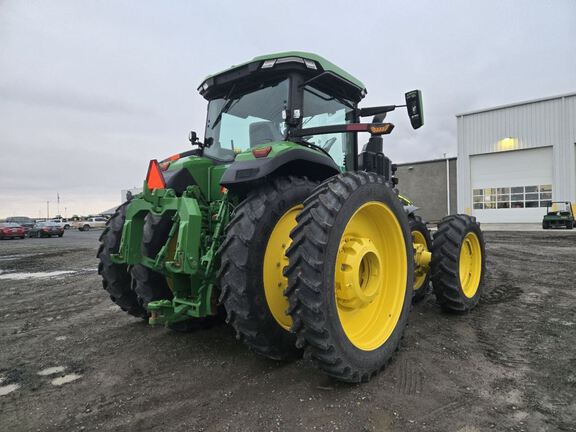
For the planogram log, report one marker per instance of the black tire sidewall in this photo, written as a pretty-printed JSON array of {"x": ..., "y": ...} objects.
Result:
[
  {"x": 473, "y": 301},
  {"x": 368, "y": 360},
  {"x": 293, "y": 197}
]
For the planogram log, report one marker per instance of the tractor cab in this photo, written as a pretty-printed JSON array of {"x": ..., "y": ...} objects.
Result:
[{"x": 293, "y": 101}]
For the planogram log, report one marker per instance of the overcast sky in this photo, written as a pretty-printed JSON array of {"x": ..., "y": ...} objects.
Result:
[{"x": 90, "y": 91}]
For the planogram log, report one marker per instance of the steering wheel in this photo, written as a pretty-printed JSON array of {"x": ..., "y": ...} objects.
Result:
[{"x": 328, "y": 144}]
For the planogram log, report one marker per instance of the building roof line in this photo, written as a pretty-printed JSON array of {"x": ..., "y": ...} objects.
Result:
[
  {"x": 527, "y": 102},
  {"x": 426, "y": 161}
]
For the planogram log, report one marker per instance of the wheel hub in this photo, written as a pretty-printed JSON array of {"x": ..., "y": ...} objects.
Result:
[{"x": 361, "y": 277}]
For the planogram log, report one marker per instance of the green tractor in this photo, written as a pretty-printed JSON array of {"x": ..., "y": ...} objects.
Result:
[
  {"x": 278, "y": 222},
  {"x": 559, "y": 214}
]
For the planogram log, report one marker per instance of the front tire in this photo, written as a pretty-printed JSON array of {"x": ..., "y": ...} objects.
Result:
[
  {"x": 351, "y": 275},
  {"x": 253, "y": 258},
  {"x": 458, "y": 263}
]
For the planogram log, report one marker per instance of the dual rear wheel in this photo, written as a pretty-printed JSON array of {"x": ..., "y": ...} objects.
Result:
[{"x": 328, "y": 271}]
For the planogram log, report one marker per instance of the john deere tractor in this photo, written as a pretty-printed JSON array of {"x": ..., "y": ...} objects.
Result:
[{"x": 277, "y": 221}]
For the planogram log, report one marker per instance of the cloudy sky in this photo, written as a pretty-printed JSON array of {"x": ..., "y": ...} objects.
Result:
[{"x": 92, "y": 90}]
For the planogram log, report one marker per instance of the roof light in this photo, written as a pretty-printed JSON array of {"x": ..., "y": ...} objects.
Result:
[
  {"x": 384, "y": 128},
  {"x": 290, "y": 60},
  {"x": 205, "y": 86},
  {"x": 310, "y": 64},
  {"x": 154, "y": 178},
  {"x": 268, "y": 64},
  {"x": 261, "y": 151}
]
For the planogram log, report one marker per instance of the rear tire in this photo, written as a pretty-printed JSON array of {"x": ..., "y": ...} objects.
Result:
[
  {"x": 420, "y": 234},
  {"x": 351, "y": 275},
  {"x": 116, "y": 278},
  {"x": 458, "y": 263},
  {"x": 255, "y": 308}
]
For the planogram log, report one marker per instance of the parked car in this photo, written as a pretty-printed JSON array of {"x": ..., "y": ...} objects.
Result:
[
  {"x": 23, "y": 221},
  {"x": 46, "y": 229},
  {"x": 91, "y": 223},
  {"x": 11, "y": 230}
]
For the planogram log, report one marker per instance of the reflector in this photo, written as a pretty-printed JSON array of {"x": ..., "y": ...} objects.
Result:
[
  {"x": 261, "y": 151},
  {"x": 154, "y": 178}
]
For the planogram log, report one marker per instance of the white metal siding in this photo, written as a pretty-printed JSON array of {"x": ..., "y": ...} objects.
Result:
[{"x": 549, "y": 122}]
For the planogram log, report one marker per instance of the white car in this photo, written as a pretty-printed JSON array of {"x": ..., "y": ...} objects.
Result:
[{"x": 91, "y": 223}]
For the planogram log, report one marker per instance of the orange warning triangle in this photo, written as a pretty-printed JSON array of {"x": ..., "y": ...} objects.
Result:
[{"x": 154, "y": 178}]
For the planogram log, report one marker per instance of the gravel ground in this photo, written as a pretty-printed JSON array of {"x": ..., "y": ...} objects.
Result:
[{"x": 71, "y": 360}]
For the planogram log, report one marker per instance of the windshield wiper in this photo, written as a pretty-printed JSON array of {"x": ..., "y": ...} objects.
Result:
[
  {"x": 330, "y": 98},
  {"x": 226, "y": 106}
]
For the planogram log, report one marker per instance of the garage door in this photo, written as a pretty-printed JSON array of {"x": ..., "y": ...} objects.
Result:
[{"x": 511, "y": 186}]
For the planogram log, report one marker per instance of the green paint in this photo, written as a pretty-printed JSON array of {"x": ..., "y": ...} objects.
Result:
[
  {"x": 325, "y": 64},
  {"x": 278, "y": 147}
]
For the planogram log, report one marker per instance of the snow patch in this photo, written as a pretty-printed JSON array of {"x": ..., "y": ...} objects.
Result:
[
  {"x": 36, "y": 275},
  {"x": 52, "y": 370},
  {"x": 65, "y": 379},
  {"x": 4, "y": 390}
]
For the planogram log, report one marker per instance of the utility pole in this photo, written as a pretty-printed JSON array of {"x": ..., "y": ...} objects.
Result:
[
  {"x": 447, "y": 184},
  {"x": 58, "y": 203}
]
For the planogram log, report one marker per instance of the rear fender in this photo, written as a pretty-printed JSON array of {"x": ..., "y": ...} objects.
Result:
[{"x": 297, "y": 161}]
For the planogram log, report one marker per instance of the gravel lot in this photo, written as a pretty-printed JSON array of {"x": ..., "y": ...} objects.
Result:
[{"x": 71, "y": 360}]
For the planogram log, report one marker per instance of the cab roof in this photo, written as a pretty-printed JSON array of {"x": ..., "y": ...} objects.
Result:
[{"x": 313, "y": 64}]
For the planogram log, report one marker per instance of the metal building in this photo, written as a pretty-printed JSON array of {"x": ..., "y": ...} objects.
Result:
[
  {"x": 513, "y": 159},
  {"x": 430, "y": 185}
]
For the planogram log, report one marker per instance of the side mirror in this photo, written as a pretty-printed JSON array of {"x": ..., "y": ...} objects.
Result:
[
  {"x": 192, "y": 137},
  {"x": 414, "y": 108}
]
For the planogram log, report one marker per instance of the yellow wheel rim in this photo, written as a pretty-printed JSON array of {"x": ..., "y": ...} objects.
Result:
[
  {"x": 170, "y": 256},
  {"x": 274, "y": 262},
  {"x": 420, "y": 273},
  {"x": 470, "y": 264},
  {"x": 370, "y": 276}
]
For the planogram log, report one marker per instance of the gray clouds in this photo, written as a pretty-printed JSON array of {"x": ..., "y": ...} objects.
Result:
[{"x": 97, "y": 89}]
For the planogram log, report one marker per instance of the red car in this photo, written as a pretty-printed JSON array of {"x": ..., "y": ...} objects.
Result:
[
  {"x": 46, "y": 229},
  {"x": 11, "y": 230}
]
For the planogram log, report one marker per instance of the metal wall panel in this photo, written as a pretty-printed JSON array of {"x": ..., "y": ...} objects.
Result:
[{"x": 541, "y": 123}]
